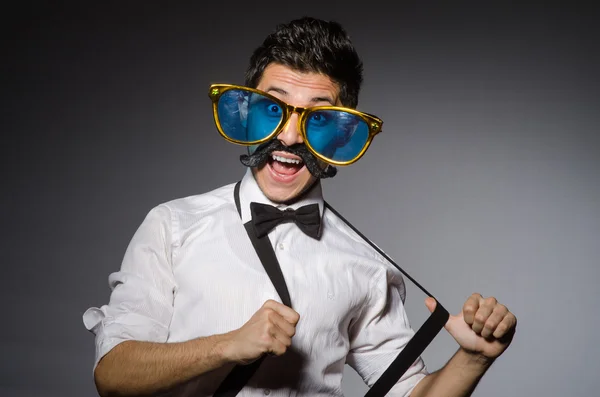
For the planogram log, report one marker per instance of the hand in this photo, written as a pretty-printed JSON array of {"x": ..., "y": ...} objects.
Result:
[
  {"x": 484, "y": 326},
  {"x": 269, "y": 330}
]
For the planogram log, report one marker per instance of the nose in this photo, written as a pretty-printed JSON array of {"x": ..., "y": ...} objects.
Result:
[{"x": 290, "y": 134}]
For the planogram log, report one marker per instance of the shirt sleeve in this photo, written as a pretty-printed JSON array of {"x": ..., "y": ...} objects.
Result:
[
  {"x": 380, "y": 332},
  {"x": 142, "y": 292}
]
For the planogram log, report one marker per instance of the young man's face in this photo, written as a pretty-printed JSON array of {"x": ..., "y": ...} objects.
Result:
[{"x": 279, "y": 180}]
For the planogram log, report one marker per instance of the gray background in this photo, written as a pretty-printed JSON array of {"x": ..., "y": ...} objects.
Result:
[{"x": 484, "y": 179}]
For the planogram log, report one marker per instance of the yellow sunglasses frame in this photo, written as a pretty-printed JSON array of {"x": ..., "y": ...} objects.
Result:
[{"x": 375, "y": 124}]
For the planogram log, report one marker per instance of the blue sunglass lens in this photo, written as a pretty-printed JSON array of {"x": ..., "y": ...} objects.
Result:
[
  {"x": 336, "y": 134},
  {"x": 246, "y": 116}
]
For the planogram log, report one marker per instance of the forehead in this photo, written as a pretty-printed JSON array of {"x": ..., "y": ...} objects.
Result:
[{"x": 299, "y": 86}]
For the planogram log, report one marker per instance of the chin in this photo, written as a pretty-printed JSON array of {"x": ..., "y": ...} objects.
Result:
[{"x": 282, "y": 193}]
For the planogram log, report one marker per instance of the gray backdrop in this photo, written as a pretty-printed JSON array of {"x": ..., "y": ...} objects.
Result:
[{"x": 484, "y": 179}]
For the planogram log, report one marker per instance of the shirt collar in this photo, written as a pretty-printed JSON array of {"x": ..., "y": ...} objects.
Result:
[{"x": 250, "y": 192}]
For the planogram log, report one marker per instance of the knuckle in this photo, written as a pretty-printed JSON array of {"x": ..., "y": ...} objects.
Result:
[
  {"x": 488, "y": 326},
  {"x": 268, "y": 329},
  {"x": 295, "y": 317},
  {"x": 491, "y": 301},
  {"x": 268, "y": 314},
  {"x": 469, "y": 308},
  {"x": 480, "y": 318},
  {"x": 268, "y": 303},
  {"x": 501, "y": 329}
]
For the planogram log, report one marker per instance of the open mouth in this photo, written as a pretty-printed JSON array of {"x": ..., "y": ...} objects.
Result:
[{"x": 285, "y": 167}]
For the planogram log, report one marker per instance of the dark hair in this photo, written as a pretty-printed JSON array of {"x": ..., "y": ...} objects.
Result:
[{"x": 311, "y": 45}]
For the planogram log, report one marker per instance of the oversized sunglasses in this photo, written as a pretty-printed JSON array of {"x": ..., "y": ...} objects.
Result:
[{"x": 334, "y": 134}]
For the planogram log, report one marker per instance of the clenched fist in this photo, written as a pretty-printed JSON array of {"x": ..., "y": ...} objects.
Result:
[
  {"x": 268, "y": 331},
  {"x": 484, "y": 326}
]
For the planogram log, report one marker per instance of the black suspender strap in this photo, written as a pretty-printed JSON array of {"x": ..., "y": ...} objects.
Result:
[
  {"x": 236, "y": 379},
  {"x": 239, "y": 376},
  {"x": 420, "y": 340},
  {"x": 265, "y": 252}
]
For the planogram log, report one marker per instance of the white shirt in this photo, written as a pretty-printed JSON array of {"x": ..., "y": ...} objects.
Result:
[{"x": 190, "y": 271}]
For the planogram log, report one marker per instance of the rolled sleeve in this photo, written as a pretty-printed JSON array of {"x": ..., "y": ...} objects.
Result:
[
  {"x": 379, "y": 334},
  {"x": 142, "y": 292}
]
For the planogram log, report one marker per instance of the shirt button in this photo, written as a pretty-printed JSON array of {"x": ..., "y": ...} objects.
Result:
[
  {"x": 280, "y": 246},
  {"x": 267, "y": 392}
]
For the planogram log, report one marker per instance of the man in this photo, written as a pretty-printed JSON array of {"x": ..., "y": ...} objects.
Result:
[{"x": 192, "y": 300}]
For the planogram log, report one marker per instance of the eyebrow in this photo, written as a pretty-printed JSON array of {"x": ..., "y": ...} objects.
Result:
[{"x": 316, "y": 99}]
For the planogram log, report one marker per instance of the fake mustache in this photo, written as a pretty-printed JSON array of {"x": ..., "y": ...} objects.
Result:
[{"x": 263, "y": 152}]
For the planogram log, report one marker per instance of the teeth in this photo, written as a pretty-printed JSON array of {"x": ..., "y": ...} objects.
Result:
[{"x": 285, "y": 160}]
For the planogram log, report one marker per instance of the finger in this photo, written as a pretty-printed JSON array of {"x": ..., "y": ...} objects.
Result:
[
  {"x": 277, "y": 348},
  {"x": 279, "y": 340},
  {"x": 494, "y": 320},
  {"x": 431, "y": 304},
  {"x": 282, "y": 339},
  {"x": 284, "y": 311},
  {"x": 281, "y": 323},
  {"x": 506, "y": 327},
  {"x": 271, "y": 335},
  {"x": 470, "y": 308},
  {"x": 486, "y": 307}
]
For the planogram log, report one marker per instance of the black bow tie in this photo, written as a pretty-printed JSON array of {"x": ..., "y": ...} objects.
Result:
[{"x": 265, "y": 217}]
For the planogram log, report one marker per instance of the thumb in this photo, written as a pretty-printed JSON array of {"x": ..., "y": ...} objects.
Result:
[
  {"x": 430, "y": 303},
  {"x": 454, "y": 323}
]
